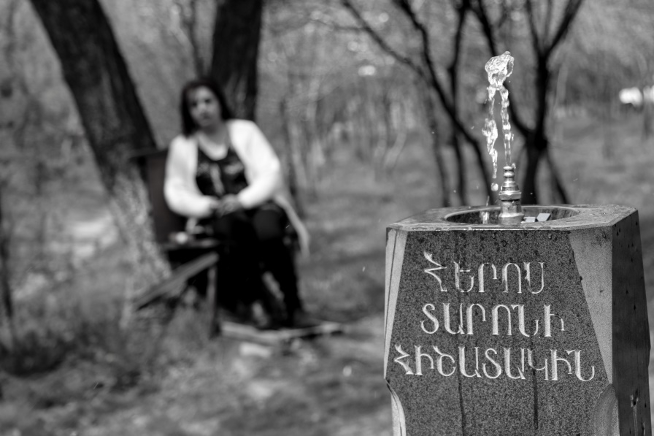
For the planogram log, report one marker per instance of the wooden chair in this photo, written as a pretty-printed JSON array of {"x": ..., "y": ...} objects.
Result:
[{"x": 189, "y": 257}]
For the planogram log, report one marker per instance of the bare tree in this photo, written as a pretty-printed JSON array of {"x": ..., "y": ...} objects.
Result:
[
  {"x": 431, "y": 74},
  {"x": 290, "y": 156},
  {"x": 237, "y": 32},
  {"x": 303, "y": 84},
  {"x": 6, "y": 297},
  {"x": 545, "y": 37},
  {"x": 114, "y": 121},
  {"x": 437, "y": 146},
  {"x": 462, "y": 8},
  {"x": 391, "y": 122},
  {"x": 6, "y": 227}
]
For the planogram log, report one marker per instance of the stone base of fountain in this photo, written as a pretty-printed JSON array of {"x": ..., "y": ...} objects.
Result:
[{"x": 535, "y": 328}]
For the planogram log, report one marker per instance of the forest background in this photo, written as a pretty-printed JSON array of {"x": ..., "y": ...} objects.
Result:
[{"x": 376, "y": 109}]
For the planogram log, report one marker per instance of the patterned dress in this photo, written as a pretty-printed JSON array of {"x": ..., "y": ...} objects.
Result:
[{"x": 218, "y": 177}]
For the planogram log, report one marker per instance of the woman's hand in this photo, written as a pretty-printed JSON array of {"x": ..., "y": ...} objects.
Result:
[
  {"x": 229, "y": 204},
  {"x": 303, "y": 238},
  {"x": 214, "y": 206}
]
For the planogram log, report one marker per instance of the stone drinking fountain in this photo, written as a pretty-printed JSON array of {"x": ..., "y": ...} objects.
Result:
[{"x": 517, "y": 320}]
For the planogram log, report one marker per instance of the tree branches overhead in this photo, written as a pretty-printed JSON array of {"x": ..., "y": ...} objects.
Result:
[
  {"x": 571, "y": 10},
  {"x": 546, "y": 24},
  {"x": 376, "y": 36},
  {"x": 544, "y": 41},
  {"x": 427, "y": 70}
]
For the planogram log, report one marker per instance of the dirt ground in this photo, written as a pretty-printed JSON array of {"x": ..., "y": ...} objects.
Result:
[
  {"x": 329, "y": 386},
  {"x": 326, "y": 386}
]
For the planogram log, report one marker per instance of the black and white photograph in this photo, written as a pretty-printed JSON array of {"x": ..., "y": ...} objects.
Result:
[{"x": 326, "y": 217}]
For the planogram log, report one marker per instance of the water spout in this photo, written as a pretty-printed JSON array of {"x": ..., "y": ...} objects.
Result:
[{"x": 511, "y": 209}]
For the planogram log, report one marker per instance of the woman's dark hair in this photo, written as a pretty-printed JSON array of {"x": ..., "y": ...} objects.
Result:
[{"x": 188, "y": 125}]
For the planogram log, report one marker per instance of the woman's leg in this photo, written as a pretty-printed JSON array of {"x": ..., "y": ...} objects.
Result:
[
  {"x": 239, "y": 274},
  {"x": 269, "y": 223}
]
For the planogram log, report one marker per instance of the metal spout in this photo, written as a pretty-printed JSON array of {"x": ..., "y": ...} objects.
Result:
[{"x": 511, "y": 210}]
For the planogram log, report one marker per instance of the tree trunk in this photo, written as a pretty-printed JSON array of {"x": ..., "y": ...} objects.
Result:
[
  {"x": 461, "y": 183},
  {"x": 560, "y": 193},
  {"x": 236, "y": 38},
  {"x": 528, "y": 188},
  {"x": 5, "y": 276},
  {"x": 436, "y": 145},
  {"x": 113, "y": 118},
  {"x": 6, "y": 298},
  {"x": 291, "y": 170},
  {"x": 440, "y": 164}
]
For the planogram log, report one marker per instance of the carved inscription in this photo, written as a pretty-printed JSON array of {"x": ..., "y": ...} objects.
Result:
[{"x": 498, "y": 319}]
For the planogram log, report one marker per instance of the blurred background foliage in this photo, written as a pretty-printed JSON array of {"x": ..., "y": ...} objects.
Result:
[{"x": 347, "y": 98}]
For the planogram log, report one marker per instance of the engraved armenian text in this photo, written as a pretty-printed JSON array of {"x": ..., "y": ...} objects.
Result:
[{"x": 501, "y": 320}]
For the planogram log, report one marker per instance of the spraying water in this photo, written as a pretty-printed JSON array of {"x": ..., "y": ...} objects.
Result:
[{"x": 498, "y": 69}]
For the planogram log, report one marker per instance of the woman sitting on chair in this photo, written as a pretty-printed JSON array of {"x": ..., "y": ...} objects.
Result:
[{"x": 223, "y": 172}]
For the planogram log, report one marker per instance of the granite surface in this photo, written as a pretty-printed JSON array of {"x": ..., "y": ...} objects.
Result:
[{"x": 533, "y": 329}]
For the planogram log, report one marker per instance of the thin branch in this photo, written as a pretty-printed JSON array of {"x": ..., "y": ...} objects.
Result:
[
  {"x": 549, "y": 12},
  {"x": 380, "y": 41},
  {"x": 429, "y": 108},
  {"x": 338, "y": 27},
  {"x": 535, "y": 39},
  {"x": 449, "y": 106},
  {"x": 430, "y": 77},
  {"x": 463, "y": 9},
  {"x": 5, "y": 244},
  {"x": 556, "y": 177},
  {"x": 482, "y": 16},
  {"x": 405, "y": 6},
  {"x": 571, "y": 10}
]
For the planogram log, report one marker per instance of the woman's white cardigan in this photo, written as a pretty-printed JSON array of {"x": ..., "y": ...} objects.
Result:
[{"x": 262, "y": 171}]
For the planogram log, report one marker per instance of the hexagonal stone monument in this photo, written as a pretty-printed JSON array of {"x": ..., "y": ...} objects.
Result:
[{"x": 538, "y": 328}]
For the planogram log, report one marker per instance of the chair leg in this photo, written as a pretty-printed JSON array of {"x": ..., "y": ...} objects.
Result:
[{"x": 215, "y": 328}]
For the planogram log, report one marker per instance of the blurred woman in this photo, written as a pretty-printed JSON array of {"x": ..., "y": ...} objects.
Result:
[{"x": 223, "y": 172}]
